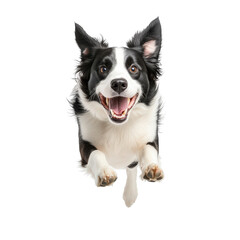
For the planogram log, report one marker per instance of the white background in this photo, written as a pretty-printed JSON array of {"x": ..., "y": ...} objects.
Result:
[{"x": 44, "y": 192}]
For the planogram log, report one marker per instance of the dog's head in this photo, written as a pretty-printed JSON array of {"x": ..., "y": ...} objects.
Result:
[{"x": 115, "y": 80}]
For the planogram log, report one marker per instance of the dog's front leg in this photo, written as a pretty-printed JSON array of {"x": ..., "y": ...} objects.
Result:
[
  {"x": 150, "y": 164},
  {"x": 102, "y": 172}
]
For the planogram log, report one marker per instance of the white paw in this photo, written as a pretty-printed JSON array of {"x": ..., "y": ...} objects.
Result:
[
  {"x": 130, "y": 195},
  {"x": 105, "y": 177}
]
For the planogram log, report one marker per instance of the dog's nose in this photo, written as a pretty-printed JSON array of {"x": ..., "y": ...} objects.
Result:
[{"x": 119, "y": 85}]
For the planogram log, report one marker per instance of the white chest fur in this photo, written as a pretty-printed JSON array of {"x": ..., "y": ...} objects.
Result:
[{"x": 121, "y": 144}]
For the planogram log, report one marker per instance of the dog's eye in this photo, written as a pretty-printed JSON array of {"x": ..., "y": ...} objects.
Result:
[
  {"x": 103, "y": 69},
  {"x": 133, "y": 69}
]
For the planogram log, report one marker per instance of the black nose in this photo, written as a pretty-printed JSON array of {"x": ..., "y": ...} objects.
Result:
[{"x": 119, "y": 85}]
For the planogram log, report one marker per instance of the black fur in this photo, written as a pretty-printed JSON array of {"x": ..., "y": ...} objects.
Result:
[
  {"x": 133, "y": 164},
  {"x": 86, "y": 149},
  {"x": 84, "y": 41},
  {"x": 77, "y": 105},
  {"x": 155, "y": 142},
  {"x": 152, "y": 32}
]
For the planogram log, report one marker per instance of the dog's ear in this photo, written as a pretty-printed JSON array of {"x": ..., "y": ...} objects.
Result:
[
  {"x": 85, "y": 42},
  {"x": 149, "y": 40}
]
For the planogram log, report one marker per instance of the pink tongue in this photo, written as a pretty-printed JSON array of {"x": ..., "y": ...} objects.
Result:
[{"x": 118, "y": 104}]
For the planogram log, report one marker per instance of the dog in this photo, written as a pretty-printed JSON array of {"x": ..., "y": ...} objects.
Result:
[{"x": 117, "y": 105}]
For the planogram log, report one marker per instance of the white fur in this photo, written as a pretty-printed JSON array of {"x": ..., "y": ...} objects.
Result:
[
  {"x": 130, "y": 191},
  {"x": 149, "y": 155},
  {"x": 94, "y": 107},
  {"x": 99, "y": 167},
  {"x": 119, "y": 71},
  {"x": 122, "y": 144}
]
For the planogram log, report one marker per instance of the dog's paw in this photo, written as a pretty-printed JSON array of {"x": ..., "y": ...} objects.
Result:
[
  {"x": 106, "y": 177},
  {"x": 153, "y": 173}
]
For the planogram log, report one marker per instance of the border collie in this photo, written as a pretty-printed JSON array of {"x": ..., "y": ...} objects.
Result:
[{"x": 117, "y": 106}]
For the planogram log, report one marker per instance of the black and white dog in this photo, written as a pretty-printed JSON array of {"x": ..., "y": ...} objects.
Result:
[{"x": 117, "y": 105}]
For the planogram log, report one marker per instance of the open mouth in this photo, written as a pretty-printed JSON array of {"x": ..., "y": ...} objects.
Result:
[{"x": 118, "y": 107}]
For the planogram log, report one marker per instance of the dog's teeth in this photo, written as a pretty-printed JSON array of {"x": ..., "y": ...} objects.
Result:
[
  {"x": 107, "y": 101},
  {"x": 128, "y": 101},
  {"x": 112, "y": 113},
  {"x": 117, "y": 116}
]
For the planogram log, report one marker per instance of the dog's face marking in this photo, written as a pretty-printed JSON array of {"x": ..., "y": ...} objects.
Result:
[
  {"x": 117, "y": 79},
  {"x": 120, "y": 69},
  {"x": 128, "y": 65},
  {"x": 122, "y": 83}
]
